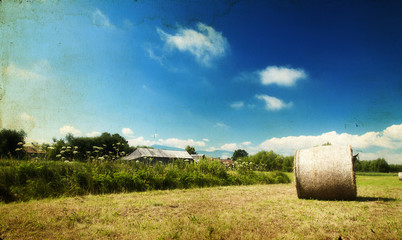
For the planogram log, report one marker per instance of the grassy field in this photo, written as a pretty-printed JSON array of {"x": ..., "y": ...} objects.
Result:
[{"x": 235, "y": 212}]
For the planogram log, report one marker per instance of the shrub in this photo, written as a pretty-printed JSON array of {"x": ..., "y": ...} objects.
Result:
[{"x": 25, "y": 180}]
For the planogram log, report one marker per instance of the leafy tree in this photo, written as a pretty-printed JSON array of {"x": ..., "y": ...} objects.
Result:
[
  {"x": 239, "y": 153},
  {"x": 11, "y": 142},
  {"x": 378, "y": 165},
  {"x": 287, "y": 164},
  {"x": 105, "y": 146},
  {"x": 190, "y": 150}
]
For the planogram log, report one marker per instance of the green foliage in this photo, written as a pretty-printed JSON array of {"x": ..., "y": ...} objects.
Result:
[
  {"x": 104, "y": 147},
  {"x": 25, "y": 180},
  {"x": 11, "y": 143},
  {"x": 395, "y": 168},
  {"x": 378, "y": 165},
  {"x": 266, "y": 161},
  {"x": 190, "y": 150},
  {"x": 239, "y": 153}
]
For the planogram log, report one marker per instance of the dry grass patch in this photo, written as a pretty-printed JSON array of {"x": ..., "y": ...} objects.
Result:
[{"x": 236, "y": 212}]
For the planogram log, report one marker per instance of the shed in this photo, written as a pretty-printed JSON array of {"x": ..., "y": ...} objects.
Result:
[
  {"x": 142, "y": 154},
  {"x": 197, "y": 157},
  {"x": 33, "y": 150}
]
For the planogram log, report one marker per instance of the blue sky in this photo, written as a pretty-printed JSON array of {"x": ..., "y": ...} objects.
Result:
[{"x": 257, "y": 75}]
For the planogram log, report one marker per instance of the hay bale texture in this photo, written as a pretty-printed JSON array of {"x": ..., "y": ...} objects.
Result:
[{"x": 325, "y": 173}]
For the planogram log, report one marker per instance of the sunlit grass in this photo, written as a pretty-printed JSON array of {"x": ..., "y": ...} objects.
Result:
[{"x": 234, "y": 212}]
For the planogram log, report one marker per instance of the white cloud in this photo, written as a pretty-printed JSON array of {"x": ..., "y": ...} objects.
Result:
[
  {"x": 204, "y": 44},
  {"x": 237, "y": 105},
  {"x": 93, "y": 134},
  {"x": 100, "y": 19},
  {"x": 273, "y": 103},
  {"x": 205, "y": 140},
  {"x": 171, "y": 142},
  {"x": 393, "y": 132},
  {"x": 127, "y": 132},
  {"x": 229, "y": 147},
  {"x": 179, "y": 143},
  {"x": 140, "y": 141},
  {"x": 13, "y": 71},
  {"x": 389, "y": 140},
  {"x": 281, "y": 76},
  {"x": 69, "y": 129},
  {"x": 221, "y": 125}
]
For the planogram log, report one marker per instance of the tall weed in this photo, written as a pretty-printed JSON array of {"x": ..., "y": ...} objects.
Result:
[{"x": 26, "y": 180}]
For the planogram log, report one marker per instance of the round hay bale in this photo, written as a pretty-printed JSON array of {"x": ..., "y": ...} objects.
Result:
[
  {"x": 400, "y": 176},
  {"x": 325, "y": 173}
]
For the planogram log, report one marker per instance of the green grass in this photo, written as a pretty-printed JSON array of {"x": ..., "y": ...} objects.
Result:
[
  {"x": 26, "y": 180},
  {"x": 230, "y": 212}
]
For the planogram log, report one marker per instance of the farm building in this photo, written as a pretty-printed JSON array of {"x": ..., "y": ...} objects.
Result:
[
  {"x": 146, "y": 154},
  {"x": 227, "y": 162},
  {"x": 33, "y": 150},
  {"x": 197, "y": 157}
]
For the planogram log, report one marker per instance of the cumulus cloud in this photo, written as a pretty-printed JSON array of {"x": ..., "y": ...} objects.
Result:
[
  {"x": 204, "y": 44},
  {"x": 100, "y": 19},
  {"x": 93, "y": 134},
  {"x": 140, "y": 141},
  {"x": 127, "y": 132},
  {"x": 171, "y": 142},
  {"x": 229, "y": 147},
  {"x": 282, "y": 76},
  {"x": 273, "y": 103},
  {"x": 237, "y": 105},
  {"x": 69, "y": 129},
  {"x": 179, "y": 143},
  {"x": 390, "y": 138},
  {"x": 205, "y": 140}
]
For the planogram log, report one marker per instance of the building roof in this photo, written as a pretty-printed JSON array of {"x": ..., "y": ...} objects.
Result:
[
  {"x": 157, "y": 153},
  {"x": 32, "y": 149}
]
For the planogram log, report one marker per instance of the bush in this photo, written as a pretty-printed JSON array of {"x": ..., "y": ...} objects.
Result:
[{"x": 25, "y": 180}]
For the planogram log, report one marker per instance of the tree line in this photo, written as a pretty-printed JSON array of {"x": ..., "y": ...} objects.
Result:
[{"x": 104, "y": 147}]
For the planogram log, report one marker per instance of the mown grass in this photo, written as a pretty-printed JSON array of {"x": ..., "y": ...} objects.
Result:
[
  {"x": 230, "y": 212},
  {"x": 26, "y": 180}
]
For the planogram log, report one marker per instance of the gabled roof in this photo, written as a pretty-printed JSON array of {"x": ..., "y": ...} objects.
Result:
[{"x": 157, "y": 153}]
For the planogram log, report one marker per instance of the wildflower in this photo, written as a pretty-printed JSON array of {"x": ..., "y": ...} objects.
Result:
[
  {"x": 20, "y": 143},
  {"x": 58, "y": 155},
  {"x": 101, "y": 158},
  {"x": 75, "y": 152}
]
